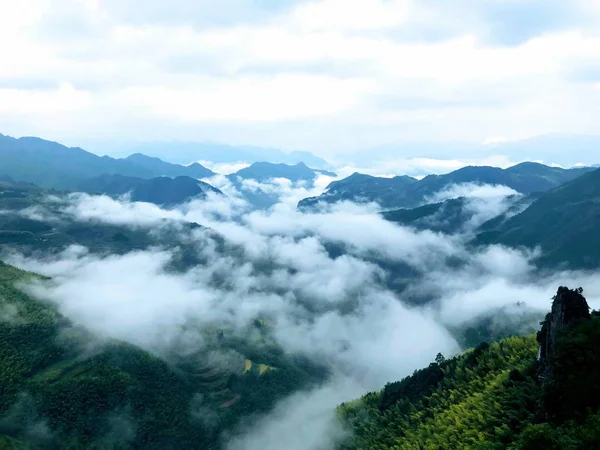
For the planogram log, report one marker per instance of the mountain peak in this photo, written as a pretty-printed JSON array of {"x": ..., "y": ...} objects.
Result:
[{"x": 568, "y": 307}]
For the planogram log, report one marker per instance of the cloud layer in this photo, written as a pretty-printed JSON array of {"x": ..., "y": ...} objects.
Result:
[
  {"x": 370, "y": 300},
  {"x": 323, "y": 75}
]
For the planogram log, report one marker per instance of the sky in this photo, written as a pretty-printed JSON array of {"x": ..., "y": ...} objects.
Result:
[{"x": 327, "y": 76}]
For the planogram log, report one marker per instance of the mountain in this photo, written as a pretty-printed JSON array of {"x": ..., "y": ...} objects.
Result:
[
  {"x": 497, "y": 396},
  {"x": 406, "y": 192},
  {"x": 461, "y": 214},
  {"x": 52, "y": 165},
  {"x": 166, "y": 169},
  {"x": 361, "y": 188},
  {"x": 185, "y": 152},
  {"x": 160, "y": 191},
  {"x": 34, "y": 221},
  {"x": 62, "y": 387},
  {"x": 263, "y": 195},
  {"x": 265, "y": 171},
  {"x": 563, "y": 222}
]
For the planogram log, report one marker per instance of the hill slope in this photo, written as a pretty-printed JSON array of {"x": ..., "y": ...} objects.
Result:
[
  {"x": 563, "y": 222},
  {"x": 406, "y": 192},
  {"x": 493, "y": 397},
  {"x": 63, "y": 388}
]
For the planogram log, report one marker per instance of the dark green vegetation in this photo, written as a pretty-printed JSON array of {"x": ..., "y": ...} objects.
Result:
[
  {"x": 61, "y": 388},
  {"x": 407, "y": 192},
  {"x": 496, "y": 396},
  {"x": 563, "y": 222},
  {"x": 52, "y": 165},
  {"x": 160, "y": 191}
]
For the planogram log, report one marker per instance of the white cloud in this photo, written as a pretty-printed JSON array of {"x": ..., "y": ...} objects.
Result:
[
  {"x": 349, "y": 15},
  {"x": 326, "y": 75},
  {"x": 309, "y": 415},
  {"x": 340, "y": 311}
]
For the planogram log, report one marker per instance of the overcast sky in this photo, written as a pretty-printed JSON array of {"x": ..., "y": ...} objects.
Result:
[{"x": 325, "y": 76}]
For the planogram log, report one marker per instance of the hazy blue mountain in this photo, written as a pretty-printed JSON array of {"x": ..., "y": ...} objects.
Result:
[
  {"x": 162, "y": 168},
  {"x": 52, "y": 165},
  {"x": 406, "y": 192},
  {"x": 563, "y": 222},
  {"x": 186, "y": 152},
  {"x": 160, "y": 191},
  {"x": 564, "y": 149},
  {"x": 264, "y": 171}
]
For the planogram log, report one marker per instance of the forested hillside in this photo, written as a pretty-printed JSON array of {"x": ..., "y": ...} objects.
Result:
[
  {"x": 563, "y": 222},
  {"x": 496, "y": 396},
  {"x": 63, "y": 388}
]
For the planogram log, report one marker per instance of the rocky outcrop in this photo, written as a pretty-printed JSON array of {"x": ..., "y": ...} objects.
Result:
[{"x": 569, "y": 306}]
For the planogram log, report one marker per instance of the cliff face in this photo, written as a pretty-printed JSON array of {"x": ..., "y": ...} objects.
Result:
[{"x": 568, "y": 307}]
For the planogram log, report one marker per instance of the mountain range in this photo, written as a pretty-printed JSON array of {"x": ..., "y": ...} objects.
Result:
[
  {"x": 52, "y": 165},
  {"x": 408, "y": 192},
  {"x": 186, "y": 152},
  {"x": 55, "y": 166},
  {"x": 558, "y": 148},
  {"x": 62, "y": 386}
]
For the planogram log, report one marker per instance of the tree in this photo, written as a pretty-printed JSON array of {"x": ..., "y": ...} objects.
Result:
[{"x": 439, "y": 359}]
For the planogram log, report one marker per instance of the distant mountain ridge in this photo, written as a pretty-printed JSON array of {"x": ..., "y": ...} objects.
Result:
[
  {"x": 407, "y": 192},
  {"x": 265, "y": 171},
  {"x": 185, "y": 152},
  {"x": 52, "y": 165},
  {"x": 166, "y": 169}
]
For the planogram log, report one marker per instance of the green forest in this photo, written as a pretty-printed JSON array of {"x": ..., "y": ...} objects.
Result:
[
  {"x": 496, "y": 396},
  {"x": 60, "y": 388}
]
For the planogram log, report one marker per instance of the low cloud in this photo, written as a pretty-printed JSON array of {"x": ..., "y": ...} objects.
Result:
[
  {"x": 368, "y": 299},
  {"x": 304, "y": 421},
  {"x": 482, "y": 202}
]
